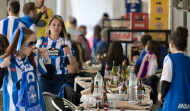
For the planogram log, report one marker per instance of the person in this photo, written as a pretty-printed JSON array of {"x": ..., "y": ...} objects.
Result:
[
  {"x": 11, "y": 23},
  {"x": 105, "y": 16},
  {"x": 102, "y": 46},
  {"x": 144, "y": 39},
  {"x": 53, "y": 40},
  {"x": 115, "y": 52},
  {"x": 175, "y": 74},
  {"x": 73, "y": 26},
  {"x": 30, "y": 14},
  {"x": 21, "y": 90},
  {"x": 150, "y": 63},
  {"x": 85, "y": 43},
  {"x": 95, "y": 38},
  {"x": 4, "y": 43},
  {"x": 77, "y": 47},
  {"x": 44, "y": 15}
]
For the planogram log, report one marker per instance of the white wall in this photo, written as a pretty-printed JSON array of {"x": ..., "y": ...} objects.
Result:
[{"x": 89, "y": 12}]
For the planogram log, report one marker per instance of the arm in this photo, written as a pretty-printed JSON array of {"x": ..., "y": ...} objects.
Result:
[
  {"x": 38, "y": 17},
  {"x": 166, "y": 78}
]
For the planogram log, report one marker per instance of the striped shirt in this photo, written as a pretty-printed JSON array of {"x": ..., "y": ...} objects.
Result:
[
  {"x": 56, "y": 53},
  {"x": 11, "y": 93},
  {"x": 9, "y": 25}
]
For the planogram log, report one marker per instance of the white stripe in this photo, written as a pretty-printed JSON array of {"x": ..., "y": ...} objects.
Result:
[
  {"x": 1, "y": 27},
  {"x": 58, "y": 60},
  {"x": 10, "y": 90},
  {"x": 10, "y": 28}
]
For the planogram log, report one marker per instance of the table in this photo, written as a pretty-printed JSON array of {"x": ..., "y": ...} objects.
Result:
[{"x": 82, "y": 82}]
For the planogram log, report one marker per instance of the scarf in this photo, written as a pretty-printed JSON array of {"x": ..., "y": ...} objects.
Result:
[
  {"x": 28, "y": 97},
  {"x": 145, "y": 65}
]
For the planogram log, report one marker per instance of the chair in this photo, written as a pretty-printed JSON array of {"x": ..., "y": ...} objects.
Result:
[
  {"x": 62, "y": 104},
  {"x": 48, "y": 101}
]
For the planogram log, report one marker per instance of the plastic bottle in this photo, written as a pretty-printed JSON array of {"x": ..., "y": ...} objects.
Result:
[
  {"x": 93, "y": 57},
  {"x": 132, "y": 85},
  {"x": 98, "y": 78}
]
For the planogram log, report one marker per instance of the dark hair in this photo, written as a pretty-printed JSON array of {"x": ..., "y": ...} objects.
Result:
[
  {"x": 14, "y": 6},
  {"x": 105, "y": 15},
  {"x": 27, "y": 7},
  {"x": 179, "y": 38},
  {"x": 4, "y": 44},
  {"x": 63, "y": 32},
  {"x": 154, "y": 47},
  {"x": 97, "y": 31},
  {"x": 11, "y": 50},
  {"x": 73, "y": 21},
  {"x": 145, "y": 38},
  {"x": 115, "y": 52}
]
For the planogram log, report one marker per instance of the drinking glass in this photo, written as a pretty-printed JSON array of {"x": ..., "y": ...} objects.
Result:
[
  {"x": 98, "y": 94},
  {"x": 65, "y": 43}
]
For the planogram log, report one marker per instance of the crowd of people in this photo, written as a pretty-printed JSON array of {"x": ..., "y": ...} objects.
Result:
[{"x": 39, "y": 49}]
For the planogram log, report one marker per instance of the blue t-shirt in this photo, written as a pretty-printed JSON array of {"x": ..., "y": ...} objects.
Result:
[{"x": 102, "y": 45}]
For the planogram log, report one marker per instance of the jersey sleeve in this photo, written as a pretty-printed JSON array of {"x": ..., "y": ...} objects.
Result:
[
  {"x": 39, "y": 42},
  {"x": 167, "y": 70},
  {"x": 41, "y": 69}
]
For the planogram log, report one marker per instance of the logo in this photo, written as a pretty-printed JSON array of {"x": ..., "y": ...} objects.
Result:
[
  {"x": 159, "y": 10},
  {"x": 159, "y": 25},
  {"x": 45, "y": 43},
  {"x": 54, "y": 53},
  {"x": 32, "y": 94},
  {"x": 41, "y": 23},
  {"x": 183, "y": 106},
  {"x": 139, "y": 25},
  {"x": 13, "y": 69}
]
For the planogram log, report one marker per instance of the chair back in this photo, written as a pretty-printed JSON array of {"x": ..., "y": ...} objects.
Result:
[{"x": 48, "y": 101}]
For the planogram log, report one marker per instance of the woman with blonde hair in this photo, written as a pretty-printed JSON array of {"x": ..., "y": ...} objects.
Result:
[{"x": 60, "y": 53}]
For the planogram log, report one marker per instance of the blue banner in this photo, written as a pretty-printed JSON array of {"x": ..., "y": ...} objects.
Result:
[{"x": 133, "y": 6}]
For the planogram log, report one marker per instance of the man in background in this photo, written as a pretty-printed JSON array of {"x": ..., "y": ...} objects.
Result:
[
  {"x": 11, "y": 23},
  {"x": 44, "y": 14},
  {"x": 30, "y": 13}
]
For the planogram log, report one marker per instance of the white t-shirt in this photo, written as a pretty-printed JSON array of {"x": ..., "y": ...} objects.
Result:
[
  {"x": 153, "y": 67},
  {"x": 167, "y": 69}
]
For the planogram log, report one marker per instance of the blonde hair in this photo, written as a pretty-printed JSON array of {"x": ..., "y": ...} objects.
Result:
[{"x": 63, "y": 32}]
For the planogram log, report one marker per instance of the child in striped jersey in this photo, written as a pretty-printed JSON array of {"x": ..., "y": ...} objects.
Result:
[{"x": 21, "y": 90}]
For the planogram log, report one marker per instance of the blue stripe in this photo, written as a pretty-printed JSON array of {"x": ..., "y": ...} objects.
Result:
[
  {"x": 15, "y": 90},
  {"x": 5, "y": 26},
  {"x": 6, "y": 97},
  {"x": 53, "y": 59},
  {"x": 15, "y": 25}
]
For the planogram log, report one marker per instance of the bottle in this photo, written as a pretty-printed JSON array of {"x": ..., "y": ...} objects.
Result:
[
  {"x": 126, "y": 70},
  {"x": 123, "y": 73},
  {"x": 99, "y": 78},
  {"x": 124, "y": 88},
  {"x": 92, "y": 86},
  {"x": 140, "y": 87},
  {"x": 114, "y": 72},
  {"x": 132, "y": 85},
  {"x": 93, "y": 57},
  {"x": 104, "y": 93}
]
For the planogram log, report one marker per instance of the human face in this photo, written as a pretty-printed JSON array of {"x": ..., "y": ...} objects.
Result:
[
  {"x": 55, "y": 27},
  {"x": 28, "y": 46},
  {"x": 171, "y": 47},
  {"x": 39, "y": 3}
]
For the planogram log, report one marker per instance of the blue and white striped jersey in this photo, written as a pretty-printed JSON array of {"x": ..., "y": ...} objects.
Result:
[
  {"x": 10, "y": 91},
  {"x": 9, "y": 25},
  {"x": 56, "y": 53}
]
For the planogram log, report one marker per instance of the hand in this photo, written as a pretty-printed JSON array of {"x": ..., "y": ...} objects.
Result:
[
  {"x": 159, "y": 98},
  {"x": 43, "y": 9},
  {"x": 44, "y": 52},
  {"x": 67, "y": 50},
  {"x": 6, "y": 62}
]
